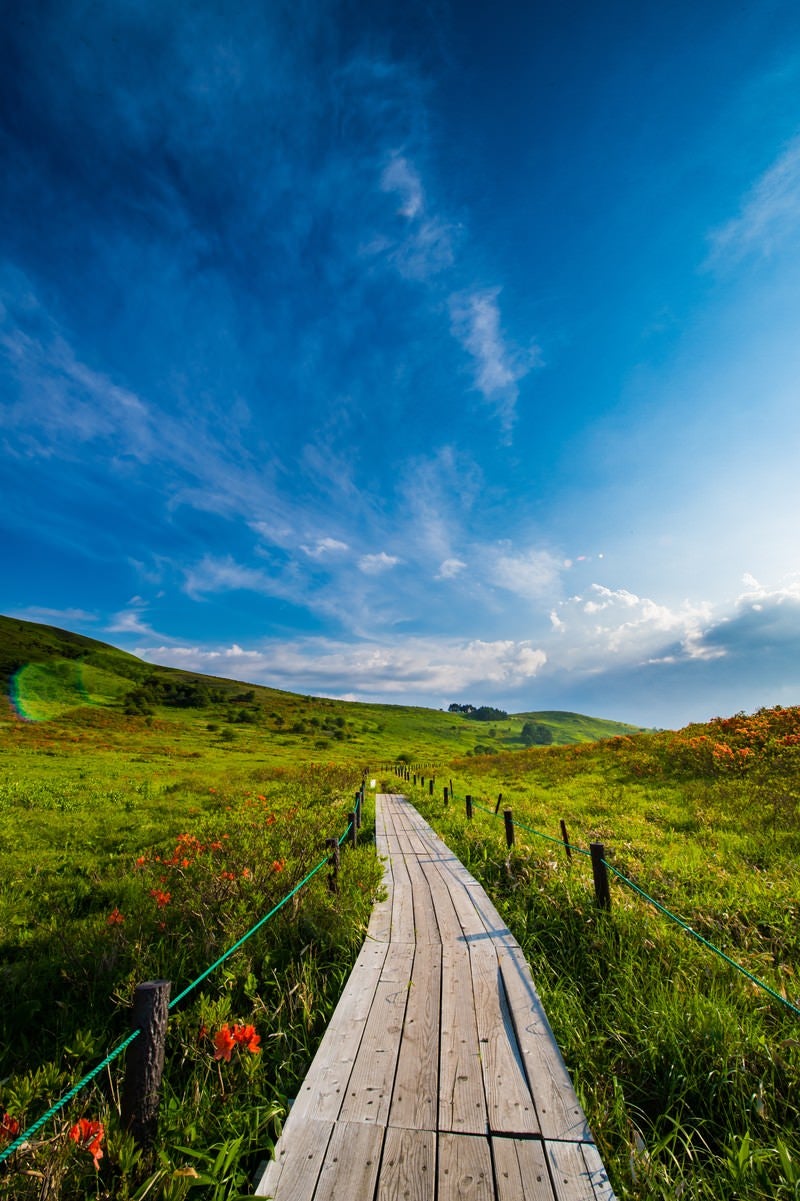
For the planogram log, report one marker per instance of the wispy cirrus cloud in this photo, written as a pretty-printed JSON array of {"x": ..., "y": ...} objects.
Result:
[
  {"x": 498, "y": 364},
  {"x": 770, "y": 212}
]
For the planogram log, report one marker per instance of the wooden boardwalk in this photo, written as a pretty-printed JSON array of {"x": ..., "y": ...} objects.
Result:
[{"x": 438, "y": 1077}]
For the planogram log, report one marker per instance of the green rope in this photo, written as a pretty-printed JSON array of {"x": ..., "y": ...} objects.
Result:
[
  {"x": 347, "y": 831},
  {"x": 87, "y": 1079},
  {"x": 73, "y": 1092},
  {"x": 530, "y": 830},
  {"x": 189, "y": 987},
  {"x": 662, "y": 909},
  {"x": 717, "y": 951}
]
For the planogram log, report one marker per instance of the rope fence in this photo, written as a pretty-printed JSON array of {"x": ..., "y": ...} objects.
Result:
[
  {"x": 26, "y": 1135},
  {"x": 599, "y": 860}
]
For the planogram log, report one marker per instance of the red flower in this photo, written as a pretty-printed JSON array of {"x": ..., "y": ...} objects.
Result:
[
  {"x": 115, "y": 918},
  {"x": 162, "y": 898},
  {"x": 224, "y": 1042},
  {"x": 9, "y": 1127},
  {"x": 89, "y": 1134},
  {"x": 277, "y": 865},
  {"x": 246, "y": 1036}
]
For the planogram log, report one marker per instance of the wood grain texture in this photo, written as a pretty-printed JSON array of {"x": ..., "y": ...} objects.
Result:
[
  {"x": 439, "y": 1078},
  {"x": 462, "y": 1104},
  {"x": 509, "y": 1104},
  {"x": 415, "y": 1099},
  {"x": 465, "y": 1169},
  {"x": 408, "y": 1170},
  {"x": 351, "y": 1164},
  {"x": 520, "y": 1170},
  {"x": 558, "y": 1110}
]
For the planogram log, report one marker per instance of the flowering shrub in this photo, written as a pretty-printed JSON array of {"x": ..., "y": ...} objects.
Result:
[{"x": 89, "y": 1135}]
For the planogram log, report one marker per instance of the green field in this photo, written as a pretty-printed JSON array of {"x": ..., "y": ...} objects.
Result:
[{"x": 148, "y": 817}]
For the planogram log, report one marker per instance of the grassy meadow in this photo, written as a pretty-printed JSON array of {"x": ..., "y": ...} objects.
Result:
[
  {"x": 148, "y": 817},
  {"x": 689, "y": 1072}
]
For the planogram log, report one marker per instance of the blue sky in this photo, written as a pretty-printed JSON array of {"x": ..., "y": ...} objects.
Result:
[{"x": 418, "y": 353}]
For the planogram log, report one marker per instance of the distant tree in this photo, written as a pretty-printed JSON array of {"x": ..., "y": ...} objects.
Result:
[{"x": 535, "y": 733}]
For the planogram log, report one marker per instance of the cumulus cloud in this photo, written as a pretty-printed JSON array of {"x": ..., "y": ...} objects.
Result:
[
  {"x": 419, "y": 667},
  {"x": 619, "y": 625}
]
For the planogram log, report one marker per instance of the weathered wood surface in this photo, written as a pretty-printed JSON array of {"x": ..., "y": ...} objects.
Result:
[{"x": 438, "y": 1077}]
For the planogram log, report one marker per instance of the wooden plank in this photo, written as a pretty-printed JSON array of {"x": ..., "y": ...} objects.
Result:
[
  {"x": 577, "y": 1173},
  {"x": 350, "y": 1167},
  {"x": 465, "y": 1169},
  {"x": 369, "y": 1090},
  {"x": 469, "y": 919},
  {"x": 462, "y": 1105},
  {"x": 509, "y": 1103},
  {"x": 520, "y": 1170},
  {"x": 558, "y": 1109},
  {"x": 492, "y": 921},
  {"x": 408, "y": 1170},
  {"x": 415, "y": 1099},
  {"x": 449, "y": 927},
  {"x": 299, "y": 1155},
  {"x": 426, "y": 929},
  {"x": 597, "y": 1173},
  {"x": 402, "y": 902},
  {"x": 325, "y": 1084},
  {"x": 380, "y": 922}
]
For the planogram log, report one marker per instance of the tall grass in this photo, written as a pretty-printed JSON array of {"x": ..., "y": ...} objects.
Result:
[
  {"x": 690, "y": 1074},
  {"x": 68, "y": 975}
]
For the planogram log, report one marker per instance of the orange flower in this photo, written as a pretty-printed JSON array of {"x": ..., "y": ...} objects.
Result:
[
  {"x": 246, "y": 1036},
  {"x": 161, "y": 898},
  {"x": 9, "y": 1127},
  {"x": 277, "y": 865},
  {"x": 115, "y": 918},
  {"x": 89, "y": 1134},
  {"x": 224, "y": 1042}
]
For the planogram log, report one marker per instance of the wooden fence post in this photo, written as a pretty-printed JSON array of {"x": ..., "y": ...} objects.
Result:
[
  {"x": 144, "y": 1064},
  {"x": 430, "y": 786},
  {"x": 567, "y": 847},
  {"x": 601, "y": 889},
  {"x": 351, "y": 817},
  {"x": 509, "y": 821},
  {"x": 468, "y": 799},
  {"x": 446, "y": 797},
  {"x": 452, "y": 791},
  {"x": 499, "y": 803},
  {"x": 333, "y": 879}
]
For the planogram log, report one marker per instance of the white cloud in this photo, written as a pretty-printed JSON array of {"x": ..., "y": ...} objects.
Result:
[
  {"x": 401, "y": 177},
  {"x": 422, "y": 667},
  {"x": 770, "y": 212},
  {"x": 499, "y": 365},
  {"x": 530, "y": 575},
  {"x": 620, "y": 626},
  {"x": 375, "y": 564},
  {"x": 323, "y": 547},
  {"x": 449, "y": 569},
  {"x": 47, "y": 616},
  {"x": 225, "y": 575}
]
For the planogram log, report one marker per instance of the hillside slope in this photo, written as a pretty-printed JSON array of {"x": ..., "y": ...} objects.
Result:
[{"x": 74, "y": 682}]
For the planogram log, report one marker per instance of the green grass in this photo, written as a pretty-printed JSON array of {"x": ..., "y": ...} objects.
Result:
[{"x": 690, "y": 1075}]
